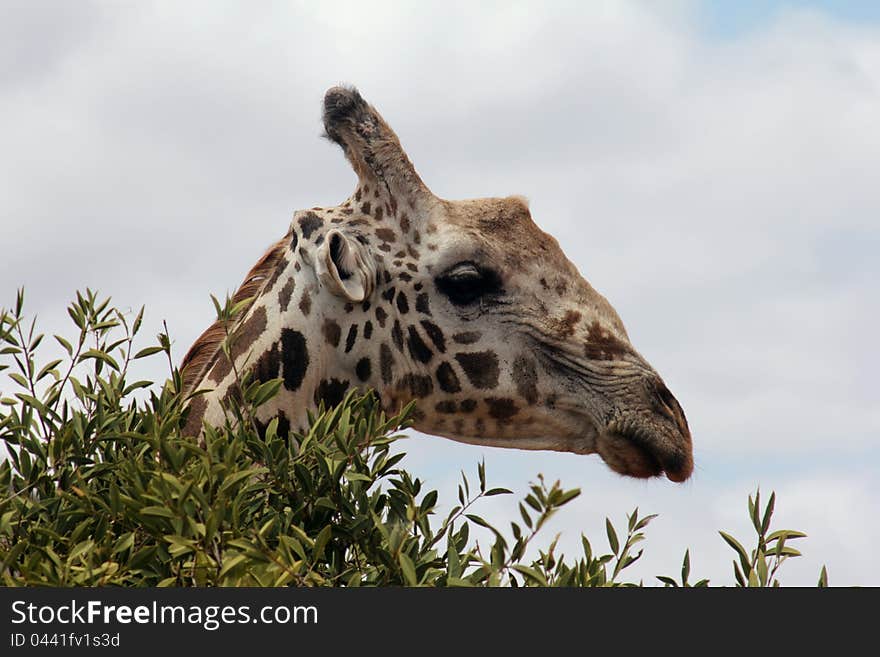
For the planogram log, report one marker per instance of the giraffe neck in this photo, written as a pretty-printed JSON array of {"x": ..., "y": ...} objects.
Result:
[{"x": 286, "y": 333}]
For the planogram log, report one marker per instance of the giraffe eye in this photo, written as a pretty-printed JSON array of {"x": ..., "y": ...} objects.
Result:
[{"x": 466, "y": 283}]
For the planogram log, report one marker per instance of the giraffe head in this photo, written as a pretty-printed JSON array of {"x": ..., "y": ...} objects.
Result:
[{"x": 466, "y": 307}]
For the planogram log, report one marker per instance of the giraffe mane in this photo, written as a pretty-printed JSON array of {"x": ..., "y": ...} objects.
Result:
[{"x": 203, "y": 352}]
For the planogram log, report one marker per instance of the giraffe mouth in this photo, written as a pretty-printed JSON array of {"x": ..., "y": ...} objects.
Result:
[{"x": 636, "y": 452}]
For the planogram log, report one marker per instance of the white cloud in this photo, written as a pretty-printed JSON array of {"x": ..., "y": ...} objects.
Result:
[{"x": 721, "y": 194}]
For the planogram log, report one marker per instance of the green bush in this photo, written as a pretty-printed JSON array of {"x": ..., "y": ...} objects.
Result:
[{"x": 100, "y": 488}]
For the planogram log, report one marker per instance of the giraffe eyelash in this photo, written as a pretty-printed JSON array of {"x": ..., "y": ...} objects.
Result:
[{"x": 467, "y": 282}]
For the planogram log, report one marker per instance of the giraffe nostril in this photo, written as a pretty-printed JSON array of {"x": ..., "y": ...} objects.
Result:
[
  {"x": 666, "y": 399},
  {"x": 671, "y": 408}
]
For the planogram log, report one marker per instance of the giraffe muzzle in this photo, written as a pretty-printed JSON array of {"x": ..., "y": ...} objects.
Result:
[{"x": 650, "y": 440}]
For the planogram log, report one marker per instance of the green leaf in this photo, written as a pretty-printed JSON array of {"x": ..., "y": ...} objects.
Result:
[
  {"x": 99, "y": 355},
  {"x": 754, "y": 506},
  {"x": 321, "y": 542},
  {"x": 230, "y": 563},
  {"x": 137, "y": 385},
  {"x": 789, "y": 534},
  {"x": 237, "y": 477},
  {"x": 533, "y": 502},
  {"x": 64, "y": 343},
  {"x": 498, "y": 491},
  {"x": 740, "y": 578},
  {"x": 48, "y": 367},
  {"x": 739, "y": 549},
  {"x": 478, "y": 520},
  {"x": 525, "y": 516},
  {"x": 753, "y": 579},
  {"x": 768, "y": 513},
  {"x": 588, "y": 550},
  {"x": 408, "y": 569},
  {"x": 531, "y": 575},
  {"x": 137, "y": 321},
  {"x": 612, "y": 536},
  {"x": 458, "y": 582},
  {"x": 123, "y": 543},
  {"x": 453, "y": 562},
  {"x": 761, "y": 567},
  {"x": 265, "y": 392},
  {"x": 147, "y": 351},
  {"x": 568, "y": 496}
]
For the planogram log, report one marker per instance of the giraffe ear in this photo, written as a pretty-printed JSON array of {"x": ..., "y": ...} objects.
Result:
[{"x": 345, "y": 266}]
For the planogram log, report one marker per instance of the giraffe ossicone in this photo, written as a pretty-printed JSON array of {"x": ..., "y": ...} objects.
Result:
[{"x": 466, "y": 307}]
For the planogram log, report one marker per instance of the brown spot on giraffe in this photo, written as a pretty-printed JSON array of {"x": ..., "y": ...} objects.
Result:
[
  {"x": 351, "y": 338},
  {"x": 423, "y": 305},
  {"x": 397, "y": 335},
  {"x": 501, "y": 409},
  {"x": 268, "y": 366},
  {"x": 295, "y": 358},
  {"x": 386, "y": 234},
  {"x": 305, "y": 303},
  {"x": 601, "y": 344},
  {"x": 481, "y": 368},
  {"x": 221, "y": 368},
  {"x": 332, "y": 332},
  {"x": 309, "y": 223},
  {"x": 330, "y": 392},
  {"x": 252, "y": 328},
  {"x": 285, "y": 293},
  {"x": 467, "y": 337},
  {"x": 364, "y": 369},
  {"x": 446, "y": 406},
  {"x": 565, "y": 327},
  {"x": 447, "y": 378},
  {"x": 416, "y": 384},
  {"x": 525, "y": 375},
  {"x": 196, "y": 412},
  {"x": 386, "y": 363},
  {"x": 418, "y": 350},
  {"x": 435, "y": 333}
]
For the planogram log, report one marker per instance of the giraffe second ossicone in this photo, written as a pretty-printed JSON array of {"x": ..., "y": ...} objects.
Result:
[{"x": 466, "y": 307}]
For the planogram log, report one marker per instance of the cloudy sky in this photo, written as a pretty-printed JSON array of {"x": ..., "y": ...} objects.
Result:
[{"x": 710, "y": 167}]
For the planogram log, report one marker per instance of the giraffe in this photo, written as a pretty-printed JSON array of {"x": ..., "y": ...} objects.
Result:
[{"x": 465, "y": 307}]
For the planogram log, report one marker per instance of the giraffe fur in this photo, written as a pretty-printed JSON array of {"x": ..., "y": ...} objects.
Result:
[{"x": 465, "y": 307}]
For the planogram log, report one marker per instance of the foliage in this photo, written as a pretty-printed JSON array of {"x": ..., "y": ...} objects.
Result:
[{"x": 100, "y": 488}]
